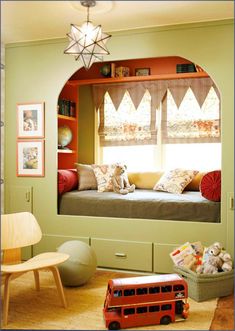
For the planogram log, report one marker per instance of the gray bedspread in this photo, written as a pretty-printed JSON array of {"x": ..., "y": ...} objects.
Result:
[{"x": 145, "y": 204}]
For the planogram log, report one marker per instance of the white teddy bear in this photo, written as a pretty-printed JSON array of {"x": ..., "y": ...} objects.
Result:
[
  {"x": 213, "y": 262},
  {"x": 120, "y": 180},
  {"x": 227, "y": 261}
]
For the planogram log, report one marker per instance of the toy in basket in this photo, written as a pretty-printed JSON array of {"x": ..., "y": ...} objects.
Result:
[
  {"x": 207, "y": 270},
  {"x": 147, "y": 300}
]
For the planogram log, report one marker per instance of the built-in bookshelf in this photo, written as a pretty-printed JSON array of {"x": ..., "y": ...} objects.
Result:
[{"x": 68, "y": 116}]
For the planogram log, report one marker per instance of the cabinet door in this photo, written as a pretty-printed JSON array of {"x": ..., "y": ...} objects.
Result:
[{"x": 20, "y": 199}]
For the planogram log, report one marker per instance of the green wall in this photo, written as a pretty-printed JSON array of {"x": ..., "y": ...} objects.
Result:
[
  {"x": 86, "y": 126},
  {"x": 37, "y": 71}
]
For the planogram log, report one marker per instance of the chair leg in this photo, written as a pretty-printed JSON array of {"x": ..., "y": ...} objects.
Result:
[
  {"x": 59, "y": 285},
  {"x": 36, "y": 279},
  {"x": 6, "y": 298}
]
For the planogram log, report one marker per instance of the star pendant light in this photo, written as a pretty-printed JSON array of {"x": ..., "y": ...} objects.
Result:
[{"x": 87, "y": 42}]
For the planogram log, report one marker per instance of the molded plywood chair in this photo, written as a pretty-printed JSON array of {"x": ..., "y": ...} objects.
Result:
[{"x": 17, "y": 231}]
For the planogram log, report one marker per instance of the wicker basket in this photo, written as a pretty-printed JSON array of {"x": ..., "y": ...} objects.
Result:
[{"x": 202, "y": 287}]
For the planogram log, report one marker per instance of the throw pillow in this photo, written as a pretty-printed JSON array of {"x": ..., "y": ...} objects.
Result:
[
  {"x": 175, "y": 180},
  {"x": 144, "y": 180},
  {"x": 67, "y": 180},
  {"x": 210, "y": 186},
  {"x": 103, "y": 174},
  {"x": 194, "y": 184},
  {"x": 86, "y": 177}
]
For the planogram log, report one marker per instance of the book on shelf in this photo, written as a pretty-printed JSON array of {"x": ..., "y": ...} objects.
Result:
[
  {"x": 185, "y": 67},
  {"x": 113, "y": 67},
  {"x": 66, "y": 108}
]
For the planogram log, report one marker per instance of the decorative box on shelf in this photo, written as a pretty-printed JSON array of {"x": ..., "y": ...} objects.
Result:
[{"x": 122, "y": 72}]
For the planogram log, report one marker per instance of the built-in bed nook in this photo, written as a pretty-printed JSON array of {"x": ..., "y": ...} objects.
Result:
[
  {"x": 140, "y": 227},
  {"x": 144, "y": 202}
]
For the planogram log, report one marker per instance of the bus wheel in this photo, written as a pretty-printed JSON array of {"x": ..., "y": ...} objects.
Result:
[
  {"x": 114, "y": 326},
  {"x": 165, "y": 320}
]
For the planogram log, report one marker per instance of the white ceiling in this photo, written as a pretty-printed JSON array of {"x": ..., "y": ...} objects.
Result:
[{"x": 38, "y": 20}]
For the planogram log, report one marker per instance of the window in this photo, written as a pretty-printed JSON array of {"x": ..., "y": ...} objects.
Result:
[
  {"x": 166, "y": 307},
  {"x": 155, "y": 289},
  {"x": 153, "y": 309},
  {"x": 188, "y": 127},
  {"x": 129, "y": 311},
  {"x": 117, "y": 293},
  {"x": 166, "y": 288},
  {"x": 141, "y": 291},
  {"x": 178, "y": 287},
  {"x": 192, "y": 136},
  {"x": 129, "y": 292},
  {"x": 141, "y": 310},
  {"x": 127, "y": 125}
]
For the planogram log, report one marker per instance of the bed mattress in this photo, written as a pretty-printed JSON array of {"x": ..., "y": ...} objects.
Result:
[{"x": 144, "y": 204}]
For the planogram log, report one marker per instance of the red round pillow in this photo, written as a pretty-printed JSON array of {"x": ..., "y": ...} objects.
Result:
[
  {"x": 210, "y": 186},
  {"x": 67, "y": 180}
]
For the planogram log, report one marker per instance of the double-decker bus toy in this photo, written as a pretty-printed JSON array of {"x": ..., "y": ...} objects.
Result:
[{"x": 146, "y": 300}]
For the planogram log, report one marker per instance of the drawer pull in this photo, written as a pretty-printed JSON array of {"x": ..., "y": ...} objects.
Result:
[{"x": 121, "y": 255}]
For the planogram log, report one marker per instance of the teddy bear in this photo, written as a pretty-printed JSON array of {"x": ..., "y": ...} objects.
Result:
[
  {"x": 227, "y": 261},
  {"x": 120, "y": 180},
  {"x": 212, "y": 262},
  {"x": 190, "y": 262}
]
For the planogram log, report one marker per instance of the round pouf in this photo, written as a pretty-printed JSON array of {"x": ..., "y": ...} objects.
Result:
[{"x": 81, "y": 264}]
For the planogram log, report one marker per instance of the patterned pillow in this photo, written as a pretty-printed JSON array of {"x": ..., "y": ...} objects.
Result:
[
  {"x": 103, "y": 174},
  {"x": 175, "y": 180}
]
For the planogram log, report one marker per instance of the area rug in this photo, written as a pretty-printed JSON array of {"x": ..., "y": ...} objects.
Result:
[{"x": 32, "y": 310}]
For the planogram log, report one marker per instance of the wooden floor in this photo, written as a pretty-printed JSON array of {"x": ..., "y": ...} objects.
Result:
[{"x": 224, "y": 314}]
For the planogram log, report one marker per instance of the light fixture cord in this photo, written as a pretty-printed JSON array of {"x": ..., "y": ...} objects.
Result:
[{"x": 88, "y": 13}]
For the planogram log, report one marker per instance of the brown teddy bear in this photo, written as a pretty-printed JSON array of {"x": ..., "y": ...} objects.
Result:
[{"x": 120, "y": 180}]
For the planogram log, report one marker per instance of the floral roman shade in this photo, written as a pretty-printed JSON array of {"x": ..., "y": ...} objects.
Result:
[
  {"x": 134, "y": 123},
  {"x": 189, "y": 122}
]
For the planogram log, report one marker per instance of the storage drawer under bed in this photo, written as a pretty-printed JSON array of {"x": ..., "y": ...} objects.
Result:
[{"x": 118, "y": 254}]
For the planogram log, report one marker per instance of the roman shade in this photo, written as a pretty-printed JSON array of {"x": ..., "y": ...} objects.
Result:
[{"x": 140, "y": 126}]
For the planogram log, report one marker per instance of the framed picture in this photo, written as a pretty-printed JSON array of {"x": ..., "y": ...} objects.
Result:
[
  {"x": 142, "y": 71},
  {"x": 30, "y": 158},
  {"x": 30, "y": 120}
]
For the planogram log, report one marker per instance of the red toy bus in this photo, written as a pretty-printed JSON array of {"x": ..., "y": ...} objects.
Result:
[{"x": 147, "y": 300}]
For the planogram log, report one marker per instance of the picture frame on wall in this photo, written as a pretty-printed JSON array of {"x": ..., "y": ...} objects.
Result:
[
  {"x": 30, "y": 158},
  {"x": 142, "y": 71},
  {"x": 30, "y": 120}
]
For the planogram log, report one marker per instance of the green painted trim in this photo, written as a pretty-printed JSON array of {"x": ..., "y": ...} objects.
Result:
[{"x": 128, "y": 32}]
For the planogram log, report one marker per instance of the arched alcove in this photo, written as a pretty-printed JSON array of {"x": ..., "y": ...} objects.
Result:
[{"x": 83, "y": 124}]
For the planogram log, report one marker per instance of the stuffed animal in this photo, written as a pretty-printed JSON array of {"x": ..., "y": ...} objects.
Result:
[
  {"x": 227, "y": 261},
  {"x": 120, "y": 180},
  {"x": 212, "y": 262},
  {"x": 190, "y": 262}
]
